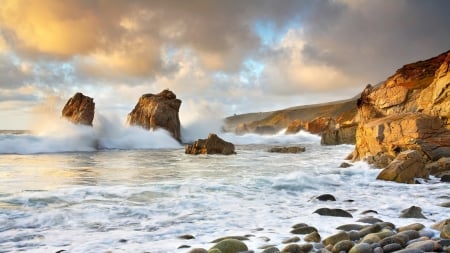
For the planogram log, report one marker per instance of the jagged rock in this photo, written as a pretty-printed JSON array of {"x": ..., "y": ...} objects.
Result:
[
  {"x": 292, "y": 150},
  {"x": 409, "y": 111},
  {"x": 212, "y": 145},
  {"x": 440, "y": 168},
  {"x": 154, "y": 111},
  {"x": 79, "y": 109},
  {"x": 295, "y": 126},
  {"x": 407, "y": 166},
  {"x": 345, "y": 134},
  {"x": 320, "y": 125}
]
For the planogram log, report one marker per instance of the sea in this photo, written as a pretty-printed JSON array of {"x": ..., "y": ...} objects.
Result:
[{"x": 113, "y": 188}]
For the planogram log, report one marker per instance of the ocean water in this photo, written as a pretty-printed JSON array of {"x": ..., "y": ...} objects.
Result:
[{"x": 119, "y": 189}]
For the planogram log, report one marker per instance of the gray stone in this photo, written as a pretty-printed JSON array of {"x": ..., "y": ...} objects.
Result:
[
  {"x": 361, "y": 248},
  {"x": 412, "y": 212},
  {"x": 343, "y": 246},
  {"x": 303, "y": 230},
  {"x": 333, "y": 212},
  {"x": 392, "y": 247},
  {"x": 333, "y": 239},
  {"x": 291, "y": 240}
]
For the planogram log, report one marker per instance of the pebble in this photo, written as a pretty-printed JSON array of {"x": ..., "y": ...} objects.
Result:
[
  {"x": 391, "y": 240},
  {"x": 312, "y": 237},
  {"x": 369, "y": 220},
  {"x": 344, "y": 246},
  {"x": 412, "y": 212},
  {"x": 240, "y": 238},
  {"x": 326, "y": 197},
  {"x": 303, "y": 230},
  {"x": 369, "y": 230},
  {"x": 271, "y": 250},
  {"x": 414, "y": 226},
  {"x": 186, "y": 237},
  {"x": 350, "y": 227},
  {"x": 296, "y": 248},
  {"x": 392, "y": 247},
  {"x": 411, "y": 234},
  {"x": 361, "y": 248},
  {"x": 333, "y": 212},
  {"x": 333, "y": 239},
  {"x": 291, "y": 240}
]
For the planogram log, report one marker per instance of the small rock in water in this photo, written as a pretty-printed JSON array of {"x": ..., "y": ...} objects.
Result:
[
  {"x": 345, "y": 165},
  {"x": 445, "y": 204},
  {"x": 412, "y": 212},
  {"x": 293, "y": 150},
  {"x": 186, "y": 237},
  {"x": 291, "y": 240},
  {"x": 326, "y": 197},
  {"x": 369, "y": 220},
  {"x": 303, "y": 230},
  {"x": 184, "y": 247},
  {"x": 333, "y": 212},
  {"x": 300, "y": 225}
]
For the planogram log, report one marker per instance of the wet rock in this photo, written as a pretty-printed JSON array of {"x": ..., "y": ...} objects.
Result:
[
  {"x": 354, "y": 235},
  {"x": 392, "y": 247},
  {"x": 198, "y": 250},
  {"x": 326, "y": 197},
  {"x": 386, "y": 224},
  {"x": 271, "y": 250},
  {"x": 407, "y": 166},
  {"x": 350, "y": 227},
  {"x": 184, "y": 247},
  {"x": 312, "y": 237},
  {"x": 361, "y": 248},
  {"x": 345, "y": 165},
  {"x": 291, "y": 240},
  {"x": 369, "y": 220},
  {"x": 300, "y": 225},
  {"x": 378, "y": 250},
  {"x": 212, "y": 145},
  {"x": 235, "y": 237},
  {"x": 409, "y": 251},
  {"x": 297, "y": 248},
  {"x": 333, "y": 239},
  {"x": 186, "y": 237},
  {"x": 303, "y": 230},
  {"x": 369, "y": 230},
  {"x": 343, "y": 246},
  {"x": 293, "y": 150},
  {"x": 154, "y": 111},
  {"x": 391, "y": 240},
  {"x": 444, "y": 242},
  {"x": 445, "y": 178},
  {"x": 427, "y": 246},
  {"x": 412, "y": 212},
  {"x": 230, "y": 246},
  {"x": 414, "y": 226},
  {"x": 445, "y": 230},
  {"x": 409, "y": 234},
  {"x": 344, "y": 134},
  {"x": 333, "y": 212},
  {"x": 369, "y": 211},
  {"x": 79, "y": 109},
  {"x": 445, "y": 204}
]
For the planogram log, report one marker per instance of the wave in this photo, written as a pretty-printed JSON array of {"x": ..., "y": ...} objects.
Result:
[{"x": 301, "y": 137}]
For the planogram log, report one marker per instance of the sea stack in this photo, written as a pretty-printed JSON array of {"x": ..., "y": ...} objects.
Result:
[
  {"x": 154, "y": 111},
  {"x": 409, "y": 111},
  {"x": 79, "y": 109}
]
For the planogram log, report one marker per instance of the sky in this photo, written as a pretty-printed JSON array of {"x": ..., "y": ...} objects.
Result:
[{"x": 218, "y": 57}]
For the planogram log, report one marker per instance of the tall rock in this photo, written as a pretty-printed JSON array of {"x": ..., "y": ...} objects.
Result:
[
  {"x": 79, "y": 109},
  {"x": 154, "y": 111},
  {"x": 409, "y": 111}
]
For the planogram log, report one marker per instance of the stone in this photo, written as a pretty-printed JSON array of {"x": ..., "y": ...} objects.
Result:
[
  {"x": 271, "y": 250},
  {"x": 312, "y": 237},
  {"x": 343, "y": 246},
  {"x": 414, "y": 226},
  {"x": 333, "y": 212},
  {"x": 230, "y": 246},
  {"x": 427, "y": 246},
  {"x": 333, "y": 239},
  {"x": 345, "y": 165},
  {"x": 291, "y": 240},
  {"x": 326, "y": 197},
  {"x": 412, "y": 212},
  {"x": 439, "y": 168},
  {"x": 235, "y": 237},
  {"x": 345, "y": 134},
  {"x": 79, "y": 109},
  {"x": 407, "y": 166},
  {"x": 408, "y": 235},
  {"x": 445, "y": 230},
  {"x": 292, "y": 150},
  {"x": 154, "y": 111},
  {"x": 392, "y": 247},
  {"x": 445, "y": 178},
  {"x": 186, "y": 237},
  {"x": 361, "y": 248},
  {"x": 212, "y": 145},
  {"x": 369, "y": 220},
  {"x": 198, "y": 250},
  {"x": 303, "y": 230},
  {"x": 350, "y": 227},
  {"x": 297, "y": 248},
  {"x": 369, "y": 230},
  {"x": 391, "y": 240}
]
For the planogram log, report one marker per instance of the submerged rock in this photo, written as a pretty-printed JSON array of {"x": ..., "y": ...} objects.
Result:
[
  {"x": 154, "y": 111},
  {"x": 212, "y": 145},
  {"x": 79, "y": 109}
]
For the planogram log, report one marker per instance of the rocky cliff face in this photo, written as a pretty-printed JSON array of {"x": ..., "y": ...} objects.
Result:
[
  {"x": 409, "y": 111},
  {"x": 79, "y": 109},
  {"x": 157, "y": 111}
]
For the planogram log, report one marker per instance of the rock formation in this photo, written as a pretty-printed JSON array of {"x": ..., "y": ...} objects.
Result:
[
  {"x": 212, "y": 145},
  {"x": 405, "y": 168},
  {"x": 157, "y": 111},
  {"x": 79, "y": 109},
  {"x": 409, "y": 111},
  {"x": 345, "y": 134}
]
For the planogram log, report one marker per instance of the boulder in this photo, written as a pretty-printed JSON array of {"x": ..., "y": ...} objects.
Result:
[
  {"x": 440, "y": 168},
  {"x": 79, "y": 109},
  {"x": 407, "y": 166},
  {"x": 212, "y": 145},
  {"x": 293, "y": 150},
  {"x": 320, "y": 125},
  {"x": 230, "y": 246},
  {"x": 345, "y": 134},
  {"x": 412, "y": 212},
  {"x": 154, "y": 111}
]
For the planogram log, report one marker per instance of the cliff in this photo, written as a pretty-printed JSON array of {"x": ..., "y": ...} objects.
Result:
[
  {"x": 409, "y": 111},
  {"x": 154, "y": 111}
]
